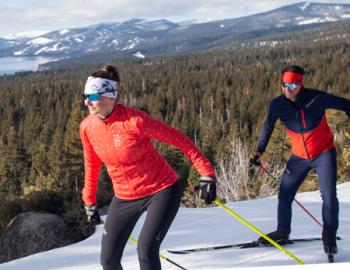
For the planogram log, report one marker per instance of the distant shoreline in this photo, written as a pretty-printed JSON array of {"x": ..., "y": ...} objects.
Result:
[{"x": 9, "y": 65}]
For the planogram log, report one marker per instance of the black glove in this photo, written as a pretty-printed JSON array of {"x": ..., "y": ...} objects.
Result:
[
  {"x": 92, "y": 214},
  {"x": 207, "y": 188},
  {"x": 255, "y": 160}
]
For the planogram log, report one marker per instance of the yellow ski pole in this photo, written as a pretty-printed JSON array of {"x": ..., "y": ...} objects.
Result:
[
  {"x": 134, "y": 241},
  {"x": 217, "y": 202}
]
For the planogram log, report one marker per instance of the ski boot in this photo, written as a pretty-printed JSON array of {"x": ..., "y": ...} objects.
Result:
[
  {"x": 330, "y": 246},
  {"x": 280, "y": 237}
]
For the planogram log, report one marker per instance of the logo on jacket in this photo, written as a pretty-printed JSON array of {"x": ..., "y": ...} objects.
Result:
[
  {"x": 308, "y": 105},
  {"x": 117, "y": 139}
]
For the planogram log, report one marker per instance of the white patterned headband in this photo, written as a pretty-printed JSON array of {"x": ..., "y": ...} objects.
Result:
[{"x": 101, "y": 86}]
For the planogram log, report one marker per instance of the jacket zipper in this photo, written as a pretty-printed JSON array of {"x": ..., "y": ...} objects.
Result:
[{"x": 302, "y": 133}]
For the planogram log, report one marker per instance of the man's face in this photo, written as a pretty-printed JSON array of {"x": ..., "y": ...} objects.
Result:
[{"x": 291, "y": 90}]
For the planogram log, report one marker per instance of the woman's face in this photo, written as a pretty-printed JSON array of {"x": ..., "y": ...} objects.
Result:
[{"x": 101, "y": 107}]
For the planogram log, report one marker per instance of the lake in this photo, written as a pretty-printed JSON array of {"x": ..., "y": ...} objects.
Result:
[{"x": 12, "y": 64}]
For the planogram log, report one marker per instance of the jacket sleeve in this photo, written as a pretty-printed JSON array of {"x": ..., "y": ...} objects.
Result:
[
  {"x": 268, "y": 128},
  {"x": 152, "y": 128},
  {"x": 92, "y": 165},
  {"x": 337, "y": 103}
]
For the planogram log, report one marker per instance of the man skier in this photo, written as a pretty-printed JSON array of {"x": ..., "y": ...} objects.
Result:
[{"x": 302, "y": 111}]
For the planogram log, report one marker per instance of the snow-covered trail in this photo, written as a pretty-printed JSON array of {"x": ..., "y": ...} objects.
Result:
[{"x": 194, "y": 227}]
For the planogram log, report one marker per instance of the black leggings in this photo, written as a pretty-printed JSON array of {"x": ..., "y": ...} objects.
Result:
[{"x": 122, "y": 216}]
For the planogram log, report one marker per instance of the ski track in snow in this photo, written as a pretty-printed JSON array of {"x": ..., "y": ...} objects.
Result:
[{"x": 195, "y": 227}]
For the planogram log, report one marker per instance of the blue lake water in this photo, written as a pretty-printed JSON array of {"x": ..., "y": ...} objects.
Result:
[{"x": 12, "y": 64}]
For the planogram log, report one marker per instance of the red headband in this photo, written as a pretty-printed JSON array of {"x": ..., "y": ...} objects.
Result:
[{"x": 291, "y": 77}]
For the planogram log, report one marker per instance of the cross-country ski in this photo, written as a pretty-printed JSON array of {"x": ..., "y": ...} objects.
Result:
[{"x": 252, "y": 244}]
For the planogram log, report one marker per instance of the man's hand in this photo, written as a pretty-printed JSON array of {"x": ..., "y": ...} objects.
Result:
[{"x": 255, "y": 160}]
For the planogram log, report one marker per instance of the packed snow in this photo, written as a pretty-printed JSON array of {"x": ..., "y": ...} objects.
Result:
[
  {"x": 19, "y": 53},
  {"x": 318, "y": 20},
  {"x": 115, "y": 42},
  {"x": 303, "y": 7},
  {"x": 55, "y": 47},
  {"x": 64, "y": 31},
  {"x": 130, "y": 46},
  {"x": 139, "y": 55},
  {"x": 132, "y": 43},
  {"x": 196, "y": 21},
  {"x": 78, "y": 40},
  {"x": 39, "y": 41},
  {"x": 195, "y": 227}
]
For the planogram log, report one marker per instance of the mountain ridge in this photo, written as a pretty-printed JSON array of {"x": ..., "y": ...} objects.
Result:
[{"x": 146, "y": 36}]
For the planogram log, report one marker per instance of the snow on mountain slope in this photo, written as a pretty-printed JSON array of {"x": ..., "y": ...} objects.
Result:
[
  {"x": 153, "y": 35},
  {"x": 194, "y": 227},
  {"x": 39, "y": 41}
]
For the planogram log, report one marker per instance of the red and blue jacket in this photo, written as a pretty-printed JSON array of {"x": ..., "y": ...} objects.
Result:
[{"x": 305, "y": 121}]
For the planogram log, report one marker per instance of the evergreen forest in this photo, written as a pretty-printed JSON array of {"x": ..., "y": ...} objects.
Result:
[{"x": 219, "y": 99}]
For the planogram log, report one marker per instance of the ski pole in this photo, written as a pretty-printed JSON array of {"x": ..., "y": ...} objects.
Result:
[
  {"x": 302, "y": 207},
  {"x": 217, "y": 202},
  {"x": 134, "y": 241}
]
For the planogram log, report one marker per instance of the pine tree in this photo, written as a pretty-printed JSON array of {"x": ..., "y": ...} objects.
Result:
[{"x": 13, "y": 168}]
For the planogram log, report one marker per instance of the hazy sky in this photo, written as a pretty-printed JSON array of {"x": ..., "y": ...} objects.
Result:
[{"x": 46, "y": 15}]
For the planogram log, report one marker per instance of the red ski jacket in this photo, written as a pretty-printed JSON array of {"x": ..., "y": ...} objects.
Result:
[{"x": 123, "y": 143}]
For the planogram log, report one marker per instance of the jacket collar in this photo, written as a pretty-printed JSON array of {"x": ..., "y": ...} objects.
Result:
[{"x": 113, "y": 116}]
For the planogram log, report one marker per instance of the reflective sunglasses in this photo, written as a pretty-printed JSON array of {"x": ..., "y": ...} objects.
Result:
[
  {"x": 96, "y": 96},
  {"x": 291, "y": 86}
]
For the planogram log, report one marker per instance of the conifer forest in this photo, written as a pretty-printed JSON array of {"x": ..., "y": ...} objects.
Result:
[{"x": 218, "y": 98}]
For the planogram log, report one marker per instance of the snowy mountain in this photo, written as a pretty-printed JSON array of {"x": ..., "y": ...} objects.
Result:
[
  {"x": 306, "y": 13},
  {"x": 195, "y": 228},
  {"x": 163, "y": 36},
  {"x": 99, "y": 37}
]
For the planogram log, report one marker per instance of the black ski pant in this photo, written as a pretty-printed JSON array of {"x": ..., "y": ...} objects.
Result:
[
  {"x": 294, "y": 175},
  {"x": 122, "y": 216}
]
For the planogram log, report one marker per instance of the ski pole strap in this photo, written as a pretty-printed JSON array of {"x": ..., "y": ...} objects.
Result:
[
  {"x": 258, "y": 231},
  {"x": 134, "y": 241}
]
